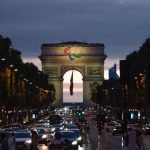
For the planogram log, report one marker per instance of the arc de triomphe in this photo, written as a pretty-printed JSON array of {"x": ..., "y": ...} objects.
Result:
[{"x": 87, "y": 58}]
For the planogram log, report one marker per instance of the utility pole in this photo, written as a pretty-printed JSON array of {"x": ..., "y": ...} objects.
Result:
[{"x": 124, "y": 80}]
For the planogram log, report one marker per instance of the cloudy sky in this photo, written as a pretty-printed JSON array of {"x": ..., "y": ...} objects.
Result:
[{"x": 121, "y": 25}]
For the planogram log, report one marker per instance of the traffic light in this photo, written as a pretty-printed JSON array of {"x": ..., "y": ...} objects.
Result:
[
  {"x": 132, "y": 115},
  {"x": 80, "y": 113}
]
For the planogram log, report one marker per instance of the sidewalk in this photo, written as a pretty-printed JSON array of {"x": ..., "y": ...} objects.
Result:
[{"x": 109, "y": 142}]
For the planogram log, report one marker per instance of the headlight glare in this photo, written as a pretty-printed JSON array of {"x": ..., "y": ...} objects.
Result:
[
  {"x": 28, "y": 141},
  {"x": 79, "y": 138},
  {"x": 44, "y": 136},
  {"x": 74, "y": 143},
  {"x": 53, "y": 129}
]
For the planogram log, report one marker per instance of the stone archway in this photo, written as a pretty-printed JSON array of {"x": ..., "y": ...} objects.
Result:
[{"x": 86, "y": 58}]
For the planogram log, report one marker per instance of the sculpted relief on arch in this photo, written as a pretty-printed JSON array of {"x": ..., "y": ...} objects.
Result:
[{"x": 66, "y": 68}]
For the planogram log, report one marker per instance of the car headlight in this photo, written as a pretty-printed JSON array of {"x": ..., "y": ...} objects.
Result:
[
  {"x": 74, "y": 143},
  {"x": 53, "y": 129},
  {"x": 28, "y": 141},
  {"x": 61, "y": 128},
  {"x": 44, "y": 136},
  {"x": 52, "y": 134},
  {"x": 79, "y": 138},
  {"x": 114, "y": 129}
]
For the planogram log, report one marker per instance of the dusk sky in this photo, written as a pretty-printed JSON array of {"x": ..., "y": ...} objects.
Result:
[{"x": 121, "y": 25}]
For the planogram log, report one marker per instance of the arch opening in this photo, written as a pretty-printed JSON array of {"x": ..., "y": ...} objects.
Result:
[{"x": 77, "y": 96}]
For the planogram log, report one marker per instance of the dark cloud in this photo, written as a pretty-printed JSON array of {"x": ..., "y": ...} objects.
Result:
[{"x": 122, "y": 25}]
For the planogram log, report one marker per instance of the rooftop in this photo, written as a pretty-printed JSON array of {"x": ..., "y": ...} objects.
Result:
[{"x": 72, "y": 43}]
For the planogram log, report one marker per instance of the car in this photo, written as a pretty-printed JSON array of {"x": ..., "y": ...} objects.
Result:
[
  {"x": 146, "y": 129},
  {"x": 42, "y": 134},
  {"x": 57, "y": 127},
  {"x": 55, "y": 119},
  {"x": 71, "y": 126},
  {"x": 71, "y": 138},
  {"x": 67, "y": 120},
  {"x": 23, "y": 139},
  {"x": 78, "y": 135},
  {"x": 109, "y": 126},
  {"x": 134, "y": 127},
  {"x": 117, "y": 130}
]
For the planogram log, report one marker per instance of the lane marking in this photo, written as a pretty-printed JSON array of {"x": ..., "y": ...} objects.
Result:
[{"x": 98, "y": 148}]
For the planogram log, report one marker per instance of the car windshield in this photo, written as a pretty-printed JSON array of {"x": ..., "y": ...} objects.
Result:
[
  {"x": 71, "y": 126},
  {"x": 76, "y": 131},
  {"x": 67, "y": 135},
  {"x": 41, "y": 131},
  {"x": 57, "y": 125},
  {"x": 22, "y": 135}
]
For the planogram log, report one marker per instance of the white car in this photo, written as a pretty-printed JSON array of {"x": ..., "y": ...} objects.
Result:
[
  {"x": 23, "y": 139},
  {"x": 109, "y": 126}
]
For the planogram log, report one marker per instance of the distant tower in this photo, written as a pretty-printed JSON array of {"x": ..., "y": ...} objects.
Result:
[{"x": 113, "y": 72}]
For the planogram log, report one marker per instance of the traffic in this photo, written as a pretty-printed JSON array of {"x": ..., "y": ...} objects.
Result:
[{"x": 70, "y": 128}]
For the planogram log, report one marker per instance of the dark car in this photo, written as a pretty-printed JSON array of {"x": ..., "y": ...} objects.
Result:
[
  {"x": 57, "y": 127},
  {"x": 146, "y": 129},
  {"x": 117, "y": 130},
  {"x": 71, "y": 126},
  {"x": 71, "y": 139},
  {"x": 78, "y": 135},
  {"x": 55, "y": 119}
]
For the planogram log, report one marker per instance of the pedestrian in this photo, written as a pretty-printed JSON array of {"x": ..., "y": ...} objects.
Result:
[
  {"x": 11, "y": 141},
  {"x": 102, "y": 139},
  {"x": 4, "y": 145},
  {"x": 57, "y": 143},
  {"x": 35, "y": 141},
  {"x": 1, "y": 140},
  {"x": 139, "y": 140}
]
